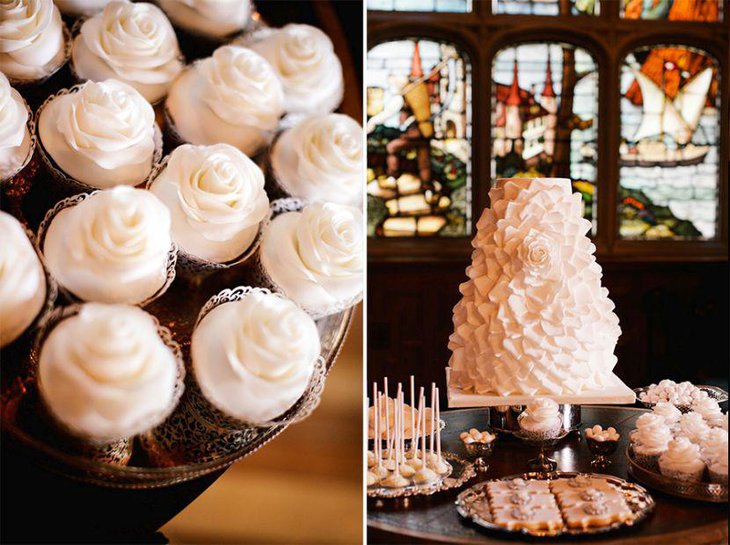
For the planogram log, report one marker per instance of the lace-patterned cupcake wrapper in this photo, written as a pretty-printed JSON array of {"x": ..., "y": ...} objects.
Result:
[
  {"x": 70, "y": 296},
  {"x": 28, "y": 83},
  {"x": 30, "y": 124}
]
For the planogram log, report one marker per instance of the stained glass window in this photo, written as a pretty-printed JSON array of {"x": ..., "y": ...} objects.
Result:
[
  {"x": 545, "y": 116},
  {"x": 670, "y": 127},
  {"x": 453, "y": 6},
  {"x": 705, "y": 11},
  {"x": 419, "y": 139},
  {"x": 545, "y": 7}
]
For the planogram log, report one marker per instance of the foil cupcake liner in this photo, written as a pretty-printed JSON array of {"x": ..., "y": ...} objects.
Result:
[
  {"x": 63, "y": 313},
  {"x": 647, "y": 461},
  {"x": 29, "y": 83},
  {"x": 70, "y": 296},
  {"x": 63, "y": 180}
]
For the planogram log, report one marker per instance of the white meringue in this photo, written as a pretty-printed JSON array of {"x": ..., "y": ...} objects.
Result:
[
  {"x": 132, "y": 43},
  {"x": 22, "y": 280},
  {"x": 320, "y": 159},
  {"x": 112, "y": 247},
  {"x": 214, "y": 18},
  {"x": 236, "y": 99},
  {"x": 15, "y": 141},
  {"x": 253, "y": 358},
  {"x": 103, "y": 135},
  {"x": 106, "y": 374},
  {"x": 216, "y": 199},
  {"x": 80, "y": 8}
]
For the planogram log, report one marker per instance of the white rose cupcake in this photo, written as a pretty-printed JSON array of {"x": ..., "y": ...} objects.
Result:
[
  {"x": 98, "y": 135},
  {"x": 23, "y": 287},
  {"x": 233, "y": 97},
  {"x": 305, "y": 61},
  {"x": 214, "y": 19},
  {"x": 132, "y": 43},
  {"x": 217, "y": 201},
  {"x": 32, "y": 40},
  {"x": 682, "y": 461},
  {"x": 708, "y": 408},
  {"x": 650, "y": 441},
  {"x": 105, "y": 374},
  {"x": 713, "y": 445},
  {"x": 541, "y": 419},
  {"x": 17, "y": 142},
  {"x": 717, "y": 460},
  {"x": 693, "y": 427},
  {"x": 320, "y": 159},
  {"x": 80, "y": 8},
  {"x": 315, "y": 256},
  {"x": 668, "y": 412},
  {"x": 112, "y": 246}
]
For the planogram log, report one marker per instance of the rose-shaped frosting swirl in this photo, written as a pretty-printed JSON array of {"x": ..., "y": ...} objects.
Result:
[
  {"x": 305, "y": 61},
  {"x": 316, "y": 256},
  {"x": 708, "y": 408},
  {"x": 320, "y": 159},
  {"x": 32, "y": 44},
  {"x": 15, "y": 140},
  {"x": 236, "y": 97},
  {"x": 105, "y": 373},
  {"x": 103, "y": 135},
  {"x": 22, "y": 280},
  {"x": 668, "y": 412},
  {"x": 533, "y": 318},
  {"x": 133, "y": 43},
  {"x": 681, "y": 455},
  {"x": 714, "y": 445},
  {"x": 80, "y": 8},
  {"x": 253, "y": 358},
  {"x": 541, "y": 414},
  {"x": 216, "y": 199},
  {"x": 215, "y": 18},
  {"x": 652, "y": 438},
  {"x": 649, "y": 419},
  {"x": 112, "y": 247},
  {"x": 693, "y": 427}
]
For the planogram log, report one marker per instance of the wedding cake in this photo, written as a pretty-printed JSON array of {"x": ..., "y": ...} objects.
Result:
[{"x": 533, "y": 318}]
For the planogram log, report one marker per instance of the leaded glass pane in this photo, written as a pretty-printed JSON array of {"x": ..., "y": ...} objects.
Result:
[
  {"x": 419, "y": 139},
  {"x": 670, "y": 127},
  {"x": 545, "y": 116},
  {"x": 546, "y": 7},
  {"x": 704, "y": 11},
  {"x": 453, "y": 6}
]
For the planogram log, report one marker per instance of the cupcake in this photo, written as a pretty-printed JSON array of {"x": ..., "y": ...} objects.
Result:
[
  {"x": 114, "y": 246},
  {"x": 253, "y": 358},
  {"x": 105, "y": 374},
  {"x": 650, "y": 441},
  {"x": 315, "y": 257},
  {"x": 233, "y": 97},
  {"x": 23, "y": 286},
  {"x": 717, "y": 464},
  {"x": 305, "y": 62},
  {"x": 713, "y": 445},
  {"x": 692, "y": 426},
  {"x": 541, "y": 419},
  {"x": 216, "y": 199},
  {"x": 708, "y": 408},
  {"x": 98, "y": 135},
  {"x": 668, "y": 412},
  {"x": 132, "y": 43},
  {"x": 320, "y": 159},
  {"x": 214, "y": 19},
  {"x": 682, "y": 461},
  {"x": 16, "y": 131},
  {"x": 32, "y": 40},
  {"x": 80, "y": 8}
]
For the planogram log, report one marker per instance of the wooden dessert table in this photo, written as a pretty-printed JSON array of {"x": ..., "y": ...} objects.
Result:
[{"x": 435, "y": 520}]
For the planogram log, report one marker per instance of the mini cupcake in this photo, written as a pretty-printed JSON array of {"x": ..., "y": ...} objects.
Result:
[
  {"x": 233, "y": 97},
  {"x": 649, "y": 442},
  {"x": 692, "y": 426},
  {"x": 668, "y": 412},
  {"x": 80, "y": 8},
  {"x": 98, "y": 135},
  {"x": 682, "y": 461},
  {"x": 541, "y": 419},
  {"x": 106, "y": 374},
  {"x": 708, "y": 408},
  {"x": 320, "y": 159},
  {"x": 112, "y": 246},
  {"x": 131, "y": 43},
  {"x": 315, "y": 256},
  {"x": 23, "y": 286},
  {"x": 32, "y": 41},
  {"x": 215, "y": 19},
  {"x": 717, "y": 465},
  {"x": 305, "y": 61},
  {"x": 713, "y": 445},
  {"x": 17, "y": 142},
  {"x": 217, "y": 201}
]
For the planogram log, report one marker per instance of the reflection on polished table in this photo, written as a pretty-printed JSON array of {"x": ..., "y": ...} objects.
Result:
[{"x": 675, "y": 521}]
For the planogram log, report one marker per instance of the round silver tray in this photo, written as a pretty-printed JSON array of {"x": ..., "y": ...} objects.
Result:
[
  {"x": 461, "y": 472},
  {"x": 470, "y": 504},
  {"x": 715, "y": 392},
  {"x": 700, "y": 491}
]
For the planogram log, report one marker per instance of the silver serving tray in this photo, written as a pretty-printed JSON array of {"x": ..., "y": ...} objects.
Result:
[{"x": 715, "y": 392}]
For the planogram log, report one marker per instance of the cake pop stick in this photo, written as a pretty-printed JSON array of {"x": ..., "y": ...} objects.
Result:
[
  {"x": 380, "y": 470},
  {"x": 415, "y": 461},
  {"x": 396, "y": 480},
  {"x": 395, "y": 408},
  {"x": 424, "y": 475},
  {"x": 387, "y": 419},
  {"x": 433, "y": 396},
  {"x": 439, "y": 465},
  {"x": 413, "y": 405}
]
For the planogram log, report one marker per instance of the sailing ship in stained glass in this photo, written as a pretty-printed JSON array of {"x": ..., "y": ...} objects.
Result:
[
  {"x": 546, "y": 7},
  {"x": 419, "y": 132},
  {"x": 668, "y": 154},
  {"x": 706, "y": 11},
  {"x": 545, "y": 116}
]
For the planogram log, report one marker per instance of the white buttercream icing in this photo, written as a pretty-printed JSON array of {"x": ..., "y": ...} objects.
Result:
[
  {"x": 320, "y": 159},
  {"x": 22, "y": 280},
  {"x": 693, "y": 427},
  {"x": 216, "y": 199},
  {"x": 714, "y": 445},
  {"x": 112, "y": 247},
  {"x": 32, "y": 43},
  {"x": 81, "y": 8},
  {"x": 708, "y": 408},
  {"x": 668, "y": 412},
  {"x": 681, "y": 456},
  {"x": 215, "y": 18},
  {"x": 533, "y": 318},
  {"x": 103, "y": 135},
  {"x": 15, "y": 142},
  {"x": 540, "y": 415},
  {"x": 652, "y": 439},
  {"x": 253, "y": 358},
  {"x": 235, "y": 97},
  {"x": 306, "y": 63},
  {"x": 105, "y": 373},
  {"x": 316, "y": 256}
]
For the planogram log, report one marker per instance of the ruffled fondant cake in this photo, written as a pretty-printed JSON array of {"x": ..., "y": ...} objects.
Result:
[{"x": 533, "y": 318}]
